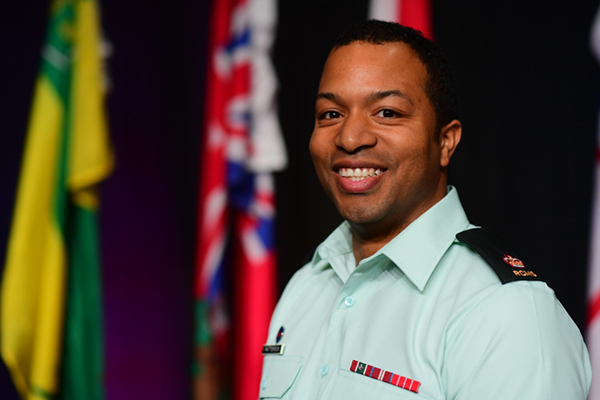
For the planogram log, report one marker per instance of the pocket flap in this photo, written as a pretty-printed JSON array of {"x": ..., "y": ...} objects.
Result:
[{"x": 279, "y": 373}]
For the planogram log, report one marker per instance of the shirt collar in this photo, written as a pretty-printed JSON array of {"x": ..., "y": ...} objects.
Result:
[
  {"x": 416, "y": 250},
  {"x": 334, "y": 250}
]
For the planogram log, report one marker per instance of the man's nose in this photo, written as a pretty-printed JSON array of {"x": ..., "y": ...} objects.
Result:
[{"x": 355, "y": 134}]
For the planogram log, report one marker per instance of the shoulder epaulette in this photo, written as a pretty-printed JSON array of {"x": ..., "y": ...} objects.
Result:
[{"x": 498, "y": 255}]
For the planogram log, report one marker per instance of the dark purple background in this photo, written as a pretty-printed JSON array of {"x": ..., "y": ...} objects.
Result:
[
  {"x": 529, "y": 93},
  {"x": 148, "y": 204}
]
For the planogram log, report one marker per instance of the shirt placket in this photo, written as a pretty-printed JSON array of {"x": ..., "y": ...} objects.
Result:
[{"x": 347, "y": 304}]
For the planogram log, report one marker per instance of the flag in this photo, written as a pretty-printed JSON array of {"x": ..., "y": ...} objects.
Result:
[
  {"x": 593, "y": 301},
  {"x": 50, "y": 303},
  {"x": 242, "y": 147},
  {"x": 413, "y": 13}
]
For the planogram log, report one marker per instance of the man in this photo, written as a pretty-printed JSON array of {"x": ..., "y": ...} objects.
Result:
[{"x": 407, "y": 299}]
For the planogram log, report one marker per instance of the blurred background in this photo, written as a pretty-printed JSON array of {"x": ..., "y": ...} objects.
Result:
[{"x": 528, "y": 90}]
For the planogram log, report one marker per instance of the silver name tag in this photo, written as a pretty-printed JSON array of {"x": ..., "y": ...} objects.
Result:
[{"x": 273, "y": 349}]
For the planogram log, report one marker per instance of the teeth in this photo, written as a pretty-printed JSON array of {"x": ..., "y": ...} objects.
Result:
[{"x": 358, "y": 174}]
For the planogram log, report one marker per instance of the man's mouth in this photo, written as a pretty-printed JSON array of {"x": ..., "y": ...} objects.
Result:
[{"x": 359, "y": 174}]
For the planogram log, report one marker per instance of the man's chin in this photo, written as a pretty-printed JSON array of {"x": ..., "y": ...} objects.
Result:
[{"x": 360, "y": 216}]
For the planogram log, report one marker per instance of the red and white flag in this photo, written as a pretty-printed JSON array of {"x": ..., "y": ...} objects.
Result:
[
  {"x": 413, "y": 13},
  {"x": 242, "y": 146},
  {"x": 593, "y": 305}
]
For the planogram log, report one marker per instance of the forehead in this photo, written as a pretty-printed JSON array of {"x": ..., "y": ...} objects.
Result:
[{"x": 388, "y": 66}]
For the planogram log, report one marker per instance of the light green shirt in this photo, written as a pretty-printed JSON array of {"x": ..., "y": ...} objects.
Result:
[{"x": 428, "y": 308}]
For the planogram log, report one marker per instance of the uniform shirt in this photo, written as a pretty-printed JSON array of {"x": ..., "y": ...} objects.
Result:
[{"x": 425, "y": 307}]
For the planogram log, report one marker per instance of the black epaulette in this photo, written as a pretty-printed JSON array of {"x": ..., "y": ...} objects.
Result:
[{"x": 501, "y": 258}]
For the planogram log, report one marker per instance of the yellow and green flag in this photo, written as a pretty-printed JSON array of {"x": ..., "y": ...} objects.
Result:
[{"x": 50, "y": 299}]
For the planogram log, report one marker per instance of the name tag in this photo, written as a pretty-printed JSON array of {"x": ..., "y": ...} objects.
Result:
[{"x": 273, "y": 349}]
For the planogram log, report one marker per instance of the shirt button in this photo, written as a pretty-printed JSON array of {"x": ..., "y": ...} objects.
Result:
[
  {"x": 324, "y": 369},
  {"x": 349, "y": 301},
  {"x": 263, "y": 384}
]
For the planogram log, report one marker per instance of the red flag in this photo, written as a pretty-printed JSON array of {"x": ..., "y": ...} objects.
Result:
[
  {"x": 593, "y": 305},
  {"x": 242, "y": 145}
]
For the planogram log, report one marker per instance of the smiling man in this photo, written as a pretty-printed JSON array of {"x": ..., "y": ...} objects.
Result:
[{"x": 407, "y": 299}]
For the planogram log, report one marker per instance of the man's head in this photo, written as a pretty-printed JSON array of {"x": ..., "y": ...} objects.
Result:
[
  {"x": 439, "y": 86},
  {"x": 374, "y": 117}
]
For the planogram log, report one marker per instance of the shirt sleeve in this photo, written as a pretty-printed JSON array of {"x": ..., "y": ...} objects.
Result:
[{"x": 516, "y": 343}]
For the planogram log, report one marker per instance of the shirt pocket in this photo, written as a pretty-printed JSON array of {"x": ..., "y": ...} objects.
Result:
[
  {"x": 279, "y": 374},
  {"x": 352, "y": 386}
]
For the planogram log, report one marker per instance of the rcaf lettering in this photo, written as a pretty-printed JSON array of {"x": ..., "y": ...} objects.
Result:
[{"x": 524, "y": 273}]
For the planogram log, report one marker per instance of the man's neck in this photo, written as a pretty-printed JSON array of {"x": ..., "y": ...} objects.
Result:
[
  {"x": 369, "y": 238},
  {"x": 366, "y": 242},
  {"x": 364, "y": 249}
]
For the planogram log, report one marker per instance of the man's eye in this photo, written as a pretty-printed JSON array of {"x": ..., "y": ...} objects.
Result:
[
  {"x": 330, "y": 115},
  {"x": 387, "y": 114}
]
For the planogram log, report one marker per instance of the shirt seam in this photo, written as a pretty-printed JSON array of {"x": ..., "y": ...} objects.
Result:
[{"x": 540, "y": 351}]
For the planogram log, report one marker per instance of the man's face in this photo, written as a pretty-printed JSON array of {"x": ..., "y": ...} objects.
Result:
[{"x": 374, "y": 145}]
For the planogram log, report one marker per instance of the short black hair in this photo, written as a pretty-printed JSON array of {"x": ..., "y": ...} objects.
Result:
[{"x": 439, "y": 87}]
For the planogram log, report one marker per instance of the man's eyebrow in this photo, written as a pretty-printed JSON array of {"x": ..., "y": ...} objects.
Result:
[
  {"x": 372, "y": 97},
  {"x": 387, "y": 93},
  {"x": 327, "y": 96}
]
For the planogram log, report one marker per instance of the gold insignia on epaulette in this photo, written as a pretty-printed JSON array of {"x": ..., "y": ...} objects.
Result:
[
  {"x": 525, "y": 273},
  {"x": 513, "y": 262}
]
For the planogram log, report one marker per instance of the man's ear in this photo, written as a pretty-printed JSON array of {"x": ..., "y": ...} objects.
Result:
[{"x": 449, "y": 137}]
